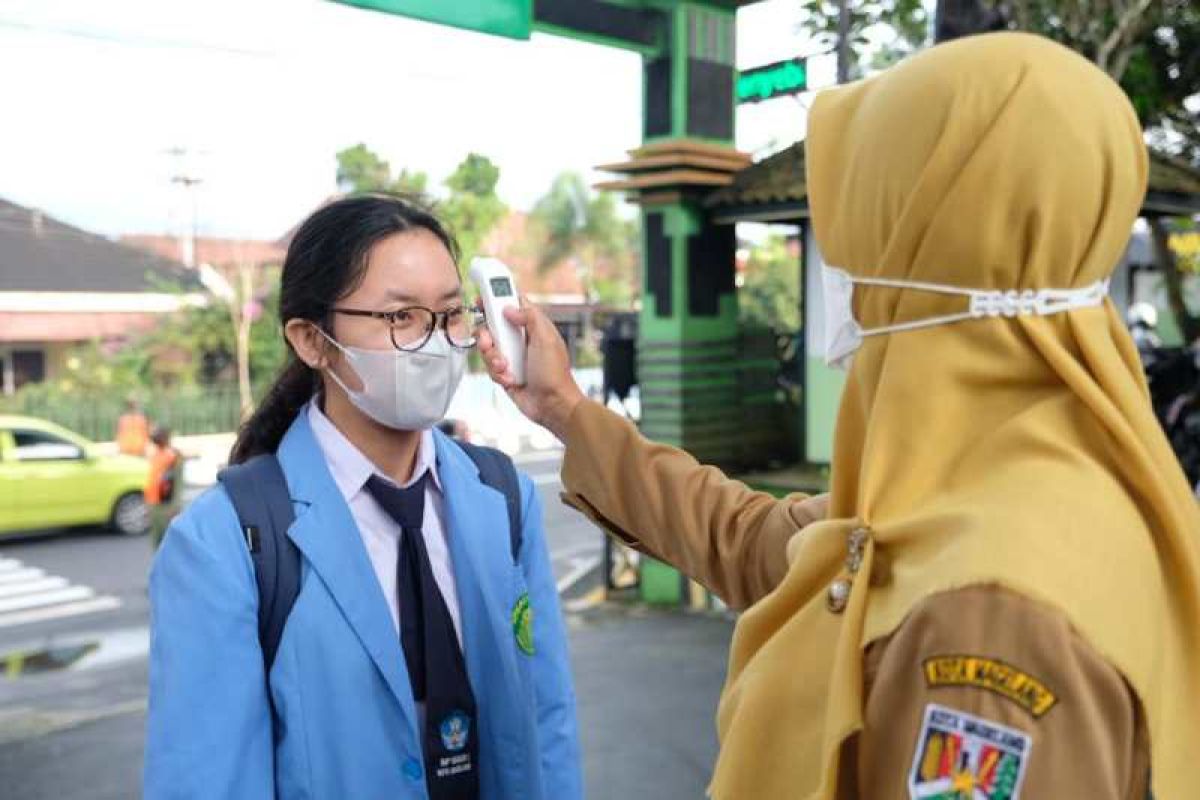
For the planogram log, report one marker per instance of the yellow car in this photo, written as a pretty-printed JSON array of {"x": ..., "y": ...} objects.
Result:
[{"x": 53, "y": 478}]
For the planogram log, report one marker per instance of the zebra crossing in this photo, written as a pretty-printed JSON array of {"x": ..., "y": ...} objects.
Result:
[{"x": 28, "y": 594}]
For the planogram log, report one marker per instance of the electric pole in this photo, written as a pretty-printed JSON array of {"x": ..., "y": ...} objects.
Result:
[{"x": 187, "y": 177}]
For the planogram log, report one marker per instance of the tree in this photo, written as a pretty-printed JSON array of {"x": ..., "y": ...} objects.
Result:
[
  {"x": 1107, "y": 32},
  {"x": 573, "y": 224},
  {"x": 848, "y": 27},
  {"x": 770, "y": 294},
  {"x": 413, "y": 183},
  {"x": 360, "y": 169},
  {"x": 473, "y": 207}
]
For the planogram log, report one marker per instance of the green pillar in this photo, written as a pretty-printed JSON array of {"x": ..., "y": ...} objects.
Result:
[{"x": 688, "y": 341}]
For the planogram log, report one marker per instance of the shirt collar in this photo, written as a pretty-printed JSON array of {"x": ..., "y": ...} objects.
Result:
[{"x": 351, "y": 469}]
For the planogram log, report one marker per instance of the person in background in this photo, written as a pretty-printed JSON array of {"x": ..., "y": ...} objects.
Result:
[
  {"x": 162, "y": 484},
  {"x": 133, "y": 430}
]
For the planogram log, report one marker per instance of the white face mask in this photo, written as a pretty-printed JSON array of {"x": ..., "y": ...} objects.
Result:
[
  {"x": 408, "y": 391},
  {"x": 843, "y": 334}
]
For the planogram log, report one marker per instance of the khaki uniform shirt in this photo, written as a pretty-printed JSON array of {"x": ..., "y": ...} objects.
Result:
[{"x": 980, "y": 692}]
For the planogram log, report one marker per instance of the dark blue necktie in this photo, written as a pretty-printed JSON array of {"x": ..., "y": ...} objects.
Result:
[{"x": 436, "y": 668}]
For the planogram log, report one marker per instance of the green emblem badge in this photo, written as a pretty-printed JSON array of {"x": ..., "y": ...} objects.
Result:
[{"x": 522, "y": 624}]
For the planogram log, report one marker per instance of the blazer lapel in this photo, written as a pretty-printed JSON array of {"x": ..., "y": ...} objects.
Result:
[
  {"x": 328, "y": 536},
  {"x": 477, "y": 523}
]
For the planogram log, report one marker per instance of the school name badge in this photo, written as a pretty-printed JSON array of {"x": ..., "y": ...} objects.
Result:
[
  {"x": 455, "y": 731},
  {"x": 964, "y": 757}
]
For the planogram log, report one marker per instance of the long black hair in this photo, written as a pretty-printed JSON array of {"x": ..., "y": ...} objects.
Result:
[{"x": 325, "y": 261}]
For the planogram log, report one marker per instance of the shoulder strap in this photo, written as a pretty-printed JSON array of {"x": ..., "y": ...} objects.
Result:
[
  {"x": 263, "y": 503},
  {"x": 498, "y": 471}
]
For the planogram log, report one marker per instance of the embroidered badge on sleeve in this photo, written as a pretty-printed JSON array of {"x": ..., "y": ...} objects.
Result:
[
  {"x": 991, "y": 674},
  {"x": 963, "y": 757}
]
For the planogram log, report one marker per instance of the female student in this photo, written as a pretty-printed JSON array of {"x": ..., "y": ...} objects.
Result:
[{"x": 423, "y": 654}]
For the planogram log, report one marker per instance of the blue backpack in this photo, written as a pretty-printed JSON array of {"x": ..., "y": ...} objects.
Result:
[{"x": 263, "y": 503}]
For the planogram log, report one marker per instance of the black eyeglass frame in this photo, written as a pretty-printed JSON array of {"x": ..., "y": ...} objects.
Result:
[{"x": 441, "y": 319}]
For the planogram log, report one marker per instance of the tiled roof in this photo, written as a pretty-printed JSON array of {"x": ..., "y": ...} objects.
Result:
[
  {"x": 218, "y": 252},
  {"x": 41, "y": 254},
  {"x": 780, "y": 178},
  {"x": 777, "y": 178},
  {"x": 1168, "y": 174}
]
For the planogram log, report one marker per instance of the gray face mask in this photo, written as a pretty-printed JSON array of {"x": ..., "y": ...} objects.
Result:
[
  {"x": 408, "y": 391},
  {"x": 844, "y": 335}
]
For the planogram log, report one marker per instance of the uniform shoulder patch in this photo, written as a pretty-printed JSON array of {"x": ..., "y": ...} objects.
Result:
[
  {"x": 963, "y": 757},
  {"x": 991, "y": 674}
]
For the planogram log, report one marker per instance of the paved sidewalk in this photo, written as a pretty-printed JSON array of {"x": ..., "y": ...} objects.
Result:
[{"x": 648, "y": 682}]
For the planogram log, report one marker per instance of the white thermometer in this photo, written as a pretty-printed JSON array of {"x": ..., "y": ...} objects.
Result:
[{"x": 498, "y": 291}]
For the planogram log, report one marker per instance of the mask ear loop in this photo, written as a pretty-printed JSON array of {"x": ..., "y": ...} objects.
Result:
[
  {"x": 1043, "y": 302},
  {"x": 328, "y": 368}
]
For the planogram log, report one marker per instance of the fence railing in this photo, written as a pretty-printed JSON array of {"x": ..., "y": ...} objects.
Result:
[{"x": 190, "y": 411}]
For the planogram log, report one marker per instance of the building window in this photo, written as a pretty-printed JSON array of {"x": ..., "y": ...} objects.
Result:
[{"x": 28, "y": 366}]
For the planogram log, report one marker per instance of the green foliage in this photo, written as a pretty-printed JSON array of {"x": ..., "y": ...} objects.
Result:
[
  {"x": 572, "y": 223},
  {"x": 188, "y": 349},
  {"x": 870, "y": 21},
  {"x": 411, "y": 183},
  {"x": 473, "y": 207},
  {"x": 360, "y": 169},
  {"x": 770, "y": 296}
]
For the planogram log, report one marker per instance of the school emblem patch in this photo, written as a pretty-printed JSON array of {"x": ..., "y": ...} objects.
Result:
[
  {"x": 964, "y": 757},
  {"x": 455, "y": 730},
  {"x": 522, "y": 624}
]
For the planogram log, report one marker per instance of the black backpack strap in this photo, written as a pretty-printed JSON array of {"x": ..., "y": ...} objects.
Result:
[
  {"x": 498, "y": 471},
  {"x": 260, "y": 496}
]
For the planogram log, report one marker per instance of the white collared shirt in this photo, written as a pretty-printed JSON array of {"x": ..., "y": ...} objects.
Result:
[{"x": 380, "y": 533}]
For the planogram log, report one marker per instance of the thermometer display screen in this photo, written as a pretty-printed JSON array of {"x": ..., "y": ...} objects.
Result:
[{"x": 502, "y": 287}]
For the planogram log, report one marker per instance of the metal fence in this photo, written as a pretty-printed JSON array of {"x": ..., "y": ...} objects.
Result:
[{"x": 190, "y": 411}]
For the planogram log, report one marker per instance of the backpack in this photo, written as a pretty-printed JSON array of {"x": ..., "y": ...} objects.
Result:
[{"x": 262, "y": 500}]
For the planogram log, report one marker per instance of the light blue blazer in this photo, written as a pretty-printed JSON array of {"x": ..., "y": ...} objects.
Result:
[{"x": 347, "y": 724}]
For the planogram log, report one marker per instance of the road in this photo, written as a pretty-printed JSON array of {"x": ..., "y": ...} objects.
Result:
[{"x": 73, "y": 645}]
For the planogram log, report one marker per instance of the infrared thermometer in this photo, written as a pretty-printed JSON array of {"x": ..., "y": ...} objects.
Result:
[{"x": 498, "y": 291}]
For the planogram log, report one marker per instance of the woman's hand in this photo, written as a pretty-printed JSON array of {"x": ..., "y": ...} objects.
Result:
[{"x": 550, "y": 393}]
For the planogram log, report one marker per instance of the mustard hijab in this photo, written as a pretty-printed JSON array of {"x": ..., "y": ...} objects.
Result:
[{"x": 1020, "y": 452}]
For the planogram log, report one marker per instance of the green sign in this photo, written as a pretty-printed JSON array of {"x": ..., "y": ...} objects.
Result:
[
  {"x": 773, "y": 80},
  {"x": 511, "y": 18}
]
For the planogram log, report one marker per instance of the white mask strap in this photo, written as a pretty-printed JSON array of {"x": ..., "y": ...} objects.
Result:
[{"x": 1010, "y": 304}]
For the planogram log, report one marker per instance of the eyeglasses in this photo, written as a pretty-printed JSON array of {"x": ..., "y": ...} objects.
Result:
[{"x": 411, "y": 328}]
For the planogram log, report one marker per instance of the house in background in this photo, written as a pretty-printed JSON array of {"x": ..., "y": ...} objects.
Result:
[
  {"x": 61, "y": 286},
  {"x": 225, "y": 254}
]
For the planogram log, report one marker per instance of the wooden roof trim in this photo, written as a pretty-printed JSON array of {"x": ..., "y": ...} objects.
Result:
[{"x": 671, "y": 177}]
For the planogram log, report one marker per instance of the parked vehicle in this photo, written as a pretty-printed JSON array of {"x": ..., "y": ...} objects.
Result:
[{"x": 51, "y": 477}]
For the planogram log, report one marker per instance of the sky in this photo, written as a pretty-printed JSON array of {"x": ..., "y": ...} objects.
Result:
[{"x": 263, "y": 94}]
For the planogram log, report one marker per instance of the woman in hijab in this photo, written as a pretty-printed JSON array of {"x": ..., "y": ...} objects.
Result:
[{"x": 1004, "y": 598}]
